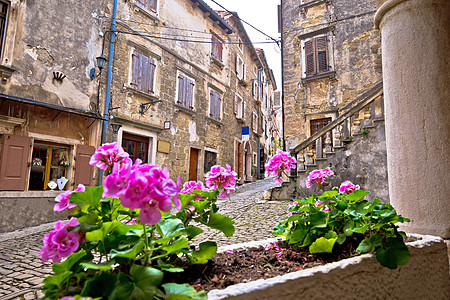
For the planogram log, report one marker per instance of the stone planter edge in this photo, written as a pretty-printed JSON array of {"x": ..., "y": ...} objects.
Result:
[{"x": 362, "y": 277}]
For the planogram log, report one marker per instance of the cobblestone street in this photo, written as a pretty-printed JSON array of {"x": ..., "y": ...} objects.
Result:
[{"x": 21, "y": 270}]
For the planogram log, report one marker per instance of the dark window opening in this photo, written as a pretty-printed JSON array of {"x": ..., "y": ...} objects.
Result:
[
  {"x": 210, "y": 160},
  {"x": 136, "y": 146}
]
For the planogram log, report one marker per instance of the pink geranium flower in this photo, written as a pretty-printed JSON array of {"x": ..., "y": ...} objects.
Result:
[
  {"x": 220, "y": 177},
  {"x": 347, "y": 187},
  {"x": 190, "y": 186},
  {"x": 60, "y": 242},
  {"x": 63, "y": 199},
  {"x": 279, "y": 163},
  {"x": 318, "y": 177},
  {"x": 107, "y": 155}
]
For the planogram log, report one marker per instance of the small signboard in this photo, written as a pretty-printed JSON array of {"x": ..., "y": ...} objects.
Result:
[
  {"x": 245, "y": 133},
  {"x": 163, "y": 147}
]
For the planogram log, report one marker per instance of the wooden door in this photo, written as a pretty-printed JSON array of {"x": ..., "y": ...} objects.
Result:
[
  {"x": 13, "y": 164},
  {"x": 193, "y": 165}
]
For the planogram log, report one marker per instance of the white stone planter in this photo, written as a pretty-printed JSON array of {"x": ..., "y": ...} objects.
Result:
[{"x": 426, "y": 276}]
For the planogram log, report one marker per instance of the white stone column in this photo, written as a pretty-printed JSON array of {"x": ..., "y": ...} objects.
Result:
[{"x": 416, "y": 77}]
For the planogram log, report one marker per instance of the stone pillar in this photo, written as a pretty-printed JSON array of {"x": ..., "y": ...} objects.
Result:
[{"x": 416, "y": 77}]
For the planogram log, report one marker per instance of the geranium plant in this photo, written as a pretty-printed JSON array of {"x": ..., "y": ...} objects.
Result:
[
  {"x": 340, "y": 215},
  {"x": 123, "y": 237}
]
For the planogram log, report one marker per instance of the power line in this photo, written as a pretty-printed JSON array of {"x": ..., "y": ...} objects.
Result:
[{"x": 188, "y": 40}]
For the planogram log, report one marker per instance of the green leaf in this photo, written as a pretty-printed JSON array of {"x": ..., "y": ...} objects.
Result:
[
  {"x": 91, "y": 196},
  {"x": 357, "y": 195},
  {"x": 143, "y": 284},
  {"x": 193, "y": 231},
  {"x": 168, "y": 267},
  {"x": 393, "y": 256},
  {"x": 341, "y": 239},
  {"x": 211, "y": 195},
  {"x": 365, "y": 246},
  {"x": 297, "y": 236},
  {"x": 57, "y": 279},
  {"x": 279, "y": 229},
  {"x": 183, "y": 292},
  {"x": 329, "y": 194},
  {"x": 341, "y": 205},
  {"x": 100, "y": 286},
  {"x": 200, "y": 204},
  {"x": 331, "y": 234},
  {"x": 205, "y": 253},
  {"x": 176, "y": 246},
  {"x": 222, "y": 223},
  {"x": 319, "y": 220},
  {"x": 71, "y": 260},
  {"x": 90, "y": 218},
  {"x": 322, "y": 245},
  {"x": 129, "y": 253},
  {"x": 102, "y": 267},
  {"x": 348, "y": 228},
  {"x": 170, "y": 228},
  {"x": 100, "y": 234},
  {"x": 308, "y": 240}
]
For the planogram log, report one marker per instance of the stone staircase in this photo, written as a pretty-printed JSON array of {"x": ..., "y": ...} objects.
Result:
[{"x": 354, "y": 149}]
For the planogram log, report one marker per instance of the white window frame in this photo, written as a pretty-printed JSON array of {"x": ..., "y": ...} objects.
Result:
[
  {"x": 152, "y": 140},
  {"x": 240, "y": 67},
  {"x": 240, "y": 107}
]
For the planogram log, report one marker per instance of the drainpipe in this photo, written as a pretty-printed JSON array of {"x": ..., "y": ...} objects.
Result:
[
  {"x": 282, "y": 76},
  {"x": 108, "y": 83}
]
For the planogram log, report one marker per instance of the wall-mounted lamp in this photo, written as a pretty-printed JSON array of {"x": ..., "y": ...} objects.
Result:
[
  {"x": 145, "y": 106},
  {"x": 115, "y": 127},
  {"x": 101, "y": 62}
]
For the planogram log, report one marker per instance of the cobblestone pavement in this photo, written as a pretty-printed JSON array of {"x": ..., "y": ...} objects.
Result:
[{"x": 22, "y": 272}]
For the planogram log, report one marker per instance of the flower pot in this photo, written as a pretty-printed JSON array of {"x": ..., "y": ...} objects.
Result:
[{"x": 426, "y": 276}]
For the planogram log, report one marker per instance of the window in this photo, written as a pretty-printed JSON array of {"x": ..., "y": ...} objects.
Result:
[
  {"x": 40, "y": 165},
  {"x": 136, "y": 146},
  {"x": 316, "y": 125},
  {"x": 149, "y": 5},
  {"x": 240, "y": 67},
  {"x": 239, "y": 107},
  {"x": 215, "y": 105},
  {"x": 210, "y": 160},
  {"x": 185, "y": 91},
  {"x": 316, "y": 56},
  {"x": 3, "y": 21},
  {"x": 255, "y": 122},
  {"x": 216, "y": 48},
  {"x": 143, "y": 73},
  {"x": 255, "y": 89},
  {"x": 240, "y": 45}
]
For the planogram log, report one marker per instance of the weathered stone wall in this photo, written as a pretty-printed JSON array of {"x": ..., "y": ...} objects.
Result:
[{"x": 355, "y": 60}]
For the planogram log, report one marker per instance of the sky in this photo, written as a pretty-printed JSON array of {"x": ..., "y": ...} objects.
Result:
[{"x": 263, "y": 15}]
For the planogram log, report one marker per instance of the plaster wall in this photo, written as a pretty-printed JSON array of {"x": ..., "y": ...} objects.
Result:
[{"x": 416, "y": 43}]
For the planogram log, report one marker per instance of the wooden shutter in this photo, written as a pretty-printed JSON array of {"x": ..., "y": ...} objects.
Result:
[
  {"x": 310, "y": 58},
  {"x": 135, "y": 70},
  {"x": 216, "y": 48},
  {"x": 189, "y": 86},
  {"x": 83, "y": 170},
  {"x": 322, "y": 54},
  {"x": 181, "y": 89},
  {"x": 151, "y": 77},
  {"x": 244, "y": 109},
  {"x": 13, "y": 163},
  {"x": 236, "y": 107},
  {"x": 144, "y": 74},
  {"x": 153, "y": 4}
]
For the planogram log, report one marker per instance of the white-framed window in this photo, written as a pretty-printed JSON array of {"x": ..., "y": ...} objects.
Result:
[
  {"x": 239, "y": 107},
  {"x": 255, "y": 159},
  {"x": 143, "y": 72},
  {"x": 317, "y": 56},
  {"x": 138, "y": 143},
  {"x": 185, "y": 91},
  {"x": 4, "y": 9},
  {"x": 255, "y": 122},
  {"x": 149, "y": 5},
  {"x": 240, "y": 67},
  {"x": 215, "y": 105},
  {"x": 210, "y": 159},
  {"x": 255, "y": 92}
]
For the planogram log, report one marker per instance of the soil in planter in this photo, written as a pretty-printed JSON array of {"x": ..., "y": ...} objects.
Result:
[{"x": 230, "y": 268}]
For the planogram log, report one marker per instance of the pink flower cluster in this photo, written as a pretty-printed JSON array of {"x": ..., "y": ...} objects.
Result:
[
  {"x": 320, "y": 203},
  {"x": 60, "y": 242},
  {"x": 63, "y": 199},
  {"x": 279, "y": 163},
  {"x": 220, "y": 177},
  {"x": 347, "y": 187},
  {"x": 107, "y": 155},
  {"x": 143, "y": 186},
  {"x": 318, "y": 177},
  {"x": 190, "y": 186}
]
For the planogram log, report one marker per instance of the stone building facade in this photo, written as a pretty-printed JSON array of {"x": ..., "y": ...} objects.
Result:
[
  {"x": 47, "y": 129},
  {"x": 331, "y": 55},
  {"x": 183, "y": 83}
]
